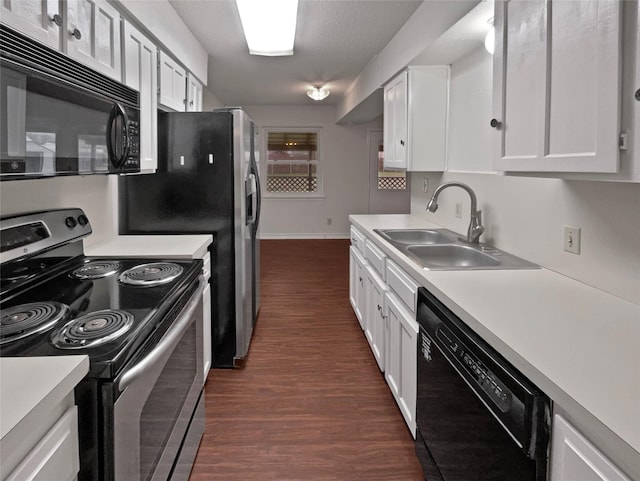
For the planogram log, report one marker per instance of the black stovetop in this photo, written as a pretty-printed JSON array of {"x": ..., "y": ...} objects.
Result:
[{"x": 54, "y": 282}]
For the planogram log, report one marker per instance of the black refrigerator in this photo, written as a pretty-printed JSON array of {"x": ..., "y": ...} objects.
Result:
[{"x": 207, "y": 182}]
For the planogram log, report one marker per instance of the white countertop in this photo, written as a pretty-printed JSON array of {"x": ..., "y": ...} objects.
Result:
[
  {"x": 580, "y": 345},
  {"x": 31, "y": 384},
  {"x": 166, "y": 246}
]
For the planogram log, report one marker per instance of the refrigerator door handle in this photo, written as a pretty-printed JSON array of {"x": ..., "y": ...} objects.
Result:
[{"x": 252, "y": 190}]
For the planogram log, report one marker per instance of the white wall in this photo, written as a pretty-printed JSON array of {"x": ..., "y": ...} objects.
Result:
[
  {"x": 92, "y": 193},
  {"x": 526, "y": 216},
  {"x": 210, "y": 101},
  {"x": 345, "y": 168}
]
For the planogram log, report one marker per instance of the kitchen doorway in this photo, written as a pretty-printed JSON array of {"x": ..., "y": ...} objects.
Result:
[{"x": 389, "y": 191}]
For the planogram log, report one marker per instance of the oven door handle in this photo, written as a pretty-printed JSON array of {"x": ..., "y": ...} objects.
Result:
[{"x": 168, "y": 342}]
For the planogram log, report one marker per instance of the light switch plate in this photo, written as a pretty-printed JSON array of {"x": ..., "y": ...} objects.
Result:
[{"x": 572, "y": 239}]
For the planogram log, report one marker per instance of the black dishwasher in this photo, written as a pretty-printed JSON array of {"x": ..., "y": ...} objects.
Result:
[{"x": 478, "y": 418}]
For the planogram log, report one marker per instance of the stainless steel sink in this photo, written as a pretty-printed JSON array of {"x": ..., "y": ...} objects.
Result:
[
  {"x": 451, "y": 256},
  {"x": 417, "y": 236},
  {"x": 444, "y": 250}
]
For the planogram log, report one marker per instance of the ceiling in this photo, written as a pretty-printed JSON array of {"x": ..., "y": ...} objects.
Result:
[{"x": 335, "y": 39}]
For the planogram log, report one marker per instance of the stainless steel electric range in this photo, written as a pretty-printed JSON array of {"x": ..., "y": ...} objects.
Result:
[{"x": 140, "y": 408}]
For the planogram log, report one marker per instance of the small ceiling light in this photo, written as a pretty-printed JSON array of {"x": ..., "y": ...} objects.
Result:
[
  {"x": 490, "y": 39},
  {"x": 318, "y": 93},
  {"x": 269, "y": 25}
]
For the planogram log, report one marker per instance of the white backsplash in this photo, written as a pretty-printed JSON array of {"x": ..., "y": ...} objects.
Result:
[
  {"x": 526, "y": 217},
  {"x": 95, "y": 194}
]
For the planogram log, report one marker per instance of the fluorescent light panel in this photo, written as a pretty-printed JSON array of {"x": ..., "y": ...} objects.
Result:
[{"x": 269, "y": 25}]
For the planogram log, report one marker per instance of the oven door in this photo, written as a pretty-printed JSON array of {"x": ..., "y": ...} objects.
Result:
[{"x": 159, "y": 397}]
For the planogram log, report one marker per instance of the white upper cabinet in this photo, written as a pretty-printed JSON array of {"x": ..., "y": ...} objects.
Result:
[
  {"x": 39, "y": 19},
  {"x": 395, "y": 123},
  {"x": 92, "y": 36},
  {"x": 556, "y": 85},
  {"x": 194, "y": 94},
  {"x": 173, "y": 84},
  {"x": 141, "y": 74},
  {"x": 415, "y": 119},
  {"x": 635, "y": 148}
]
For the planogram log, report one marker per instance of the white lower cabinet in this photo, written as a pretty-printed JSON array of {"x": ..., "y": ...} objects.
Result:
[
  {"x": 206, "y": 330},
  {"x": 55, "y": 457},
  {"x": 401, "y": 357},
  {"x": 383, "y": 297},
  {"x": 375, "y": 289},
  {"x": 574, "y": 458},
  {"x": 356, "y": 284}
]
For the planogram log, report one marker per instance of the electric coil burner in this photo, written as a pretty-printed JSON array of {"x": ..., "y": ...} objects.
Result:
[
  {"x": 93, "y": 329},
  {"x": 96, "y": 270},
  {"x": 28, "y": 319},
  {"x": 140, "y": 322},
  {"x": 152, "y": 274}
]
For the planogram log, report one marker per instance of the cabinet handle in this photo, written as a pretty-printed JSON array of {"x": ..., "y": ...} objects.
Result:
[
  {"x": 57, "y": 19},
  {"x": 637, "y": 95},
  {"x": 495, "y": 124},
  {"x": 76, "y": 34}
]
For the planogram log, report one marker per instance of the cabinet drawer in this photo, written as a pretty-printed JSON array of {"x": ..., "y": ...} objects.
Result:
[
  {"x": 404, "y": 287},
  {"x": 357, "y": 239},
  {"x": 206, "y": 267},
  {"x": 55, "y": 456},
  {"x": 375, "y": 257}
]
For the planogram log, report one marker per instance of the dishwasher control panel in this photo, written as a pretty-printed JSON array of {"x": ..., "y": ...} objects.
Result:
[{"x": 483, "y": 377}]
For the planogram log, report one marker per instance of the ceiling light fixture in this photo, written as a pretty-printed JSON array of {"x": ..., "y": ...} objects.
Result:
[
  {"x": 318, "y": 93},
  {"x": 269, "y": 26},
  {"x": 490, "y": 39}
]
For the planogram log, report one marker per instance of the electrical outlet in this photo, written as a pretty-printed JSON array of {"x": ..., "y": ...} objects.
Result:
[
  {"x": 572, "y": 239},
  {"x": 459, "y": 210},
  {"x": 329, "y": 220}
]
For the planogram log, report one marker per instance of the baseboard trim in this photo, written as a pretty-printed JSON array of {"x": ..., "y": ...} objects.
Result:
[{"x": 304, "y": 236}]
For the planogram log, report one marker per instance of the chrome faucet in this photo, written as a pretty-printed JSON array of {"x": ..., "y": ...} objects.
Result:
[{"x": 475, "y": 229}]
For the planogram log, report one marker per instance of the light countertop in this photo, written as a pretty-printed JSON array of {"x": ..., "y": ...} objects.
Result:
[
  {"x": 167, "y": 246},
  {"x": 31, "y": 384},
  {"x": 579, "y": 344}
]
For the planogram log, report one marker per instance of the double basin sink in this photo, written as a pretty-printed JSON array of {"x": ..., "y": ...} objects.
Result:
[{"x": 442, "y": 249}]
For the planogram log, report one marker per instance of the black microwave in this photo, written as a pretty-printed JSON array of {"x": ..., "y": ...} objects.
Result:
[{"x": 59, "y": 117}]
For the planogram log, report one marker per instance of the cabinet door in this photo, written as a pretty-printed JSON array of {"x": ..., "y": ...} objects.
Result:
[
  {"x": 427, "y": 112},
  {"x": 206, "y": 330},
  {"x": 356, "y": 284},
  {"x": 39, "y": 19},
  {"x": 395, "y": 123},
  {"x": 401, "y": 358},
  {"x": 141, "y": 74},
  {"x": 194, "y": 94},
  {"x": 55, "y": 456},
  {"x": 556, "y": 86},
  {"x": 93, "y": 36},
  {"x": 635, "y": 146},
  {"x": 573, "y": 457},
  {"x": 172, "y": 84},
  {"x": 375, "y": 289}
]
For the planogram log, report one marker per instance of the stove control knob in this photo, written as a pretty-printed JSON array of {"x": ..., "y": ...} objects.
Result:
[
  {"x": 82, "y": 220},
  {"x": 70, "y": 222}
]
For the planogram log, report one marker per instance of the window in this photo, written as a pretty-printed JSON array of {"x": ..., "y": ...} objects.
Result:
[{"x": 293, "y": 162}]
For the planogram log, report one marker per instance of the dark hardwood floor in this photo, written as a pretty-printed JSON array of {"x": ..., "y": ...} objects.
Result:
[{"x": 310, "y": 403}]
